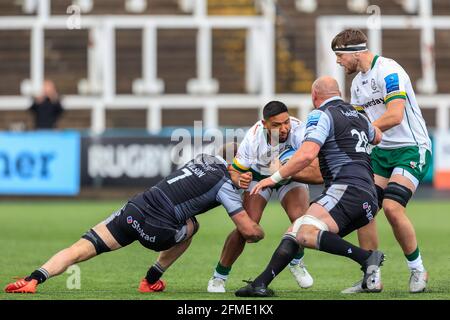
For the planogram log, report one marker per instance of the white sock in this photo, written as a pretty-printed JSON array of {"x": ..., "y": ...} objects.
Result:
[
  {"x": 416, "y": 264},
  {"x": 220, "y": 276}
]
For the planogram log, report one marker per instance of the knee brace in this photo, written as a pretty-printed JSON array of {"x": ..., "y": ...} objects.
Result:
[
  {"x": 380, "y": 196},
  {"x": 305, "y": 220},
  {"x": 398, "y": 193},
  {"x": 99, "y": 245}
]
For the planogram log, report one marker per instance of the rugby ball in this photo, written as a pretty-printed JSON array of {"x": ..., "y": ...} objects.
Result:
[
  {"x": 286, "y": 155},
  {"x": 284, "y": 158}
]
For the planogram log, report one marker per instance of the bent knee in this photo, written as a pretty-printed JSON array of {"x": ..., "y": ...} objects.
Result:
[
  {"x": 192, "y": 227},
  {"x": 392, "y": 208},
  {"x": 307, "y": 235}
]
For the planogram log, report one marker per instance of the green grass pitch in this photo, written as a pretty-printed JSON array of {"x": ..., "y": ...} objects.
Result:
[{"x": 31, "y": 232}]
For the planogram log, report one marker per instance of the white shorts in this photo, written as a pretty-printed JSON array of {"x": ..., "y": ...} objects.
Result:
[{"x": 281, "y": 192}]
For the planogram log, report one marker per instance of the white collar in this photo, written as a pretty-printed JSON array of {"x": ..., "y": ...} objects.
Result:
[{"x": 329, "y": 100}]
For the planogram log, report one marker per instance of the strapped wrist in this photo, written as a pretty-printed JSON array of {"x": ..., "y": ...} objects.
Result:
[{"x": 276, "y": 177}]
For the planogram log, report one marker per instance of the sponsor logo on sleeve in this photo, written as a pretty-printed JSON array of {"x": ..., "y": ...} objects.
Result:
[
  {"x": 392, "y": 83},
  {"x": 313, "y": 119}
]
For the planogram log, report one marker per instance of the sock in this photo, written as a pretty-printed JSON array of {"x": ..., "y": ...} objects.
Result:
[
  {"x": 40, "y": 275},
  {"x": 154, "y": 273},
  {"x": 414, "y": 260},
  {"x": 334, "y": 244},
  {"x": 280, "y": 259},
  {"x": 221, "y": 272},
  {"x": 298, "y": 257}
]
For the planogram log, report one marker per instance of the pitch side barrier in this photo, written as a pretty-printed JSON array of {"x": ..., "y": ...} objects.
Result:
[
  {"x": 142, "y": 160},
  {"x": 40, "y": 163},
  {"x": 59, "y": 163}
]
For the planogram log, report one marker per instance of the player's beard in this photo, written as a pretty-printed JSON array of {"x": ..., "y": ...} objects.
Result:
[
  {"x": 284, "y": 139},
  {"x": 351, "y": 69}
]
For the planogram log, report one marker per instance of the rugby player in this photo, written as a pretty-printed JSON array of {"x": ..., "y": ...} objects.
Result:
[
  {"x": 162, "y": 218},
  {"x": 339, "y": 135},
  {"x": 383, "y": 90},
  {"x": 256, "y": 159}
]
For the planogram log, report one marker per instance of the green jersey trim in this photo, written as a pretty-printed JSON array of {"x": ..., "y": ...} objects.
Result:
[
  {"x": 414, "y": 113},
  {"x": 409, "y": 125},
  {"x": 395, "y": 97},
  {"x": 374, "y": 61}
]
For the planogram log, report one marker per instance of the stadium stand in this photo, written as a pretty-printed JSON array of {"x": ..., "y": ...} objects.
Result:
[{"x": 296, "y": 60}]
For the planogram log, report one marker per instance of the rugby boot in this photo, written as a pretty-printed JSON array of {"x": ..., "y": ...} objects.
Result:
[
  {"x": 22, "y": 286},
  {"x": 250, "y": 291},
  {"x": 145, "y": 287},
  {"x": 418, "y": 281},
  {"x": 370, "y": 282},
  {"x": 357, "y": 287},
  {"x": 216, "y": 285},
  {"x": 301, "y": 275}
]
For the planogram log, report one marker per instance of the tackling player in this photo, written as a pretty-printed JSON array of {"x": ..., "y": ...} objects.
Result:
[
  {"x": 385, "y": 92},
  {"x": 162, "y": 219},
  {"x": 339, "y": 135},
  {"x": 256, "y": 159}
]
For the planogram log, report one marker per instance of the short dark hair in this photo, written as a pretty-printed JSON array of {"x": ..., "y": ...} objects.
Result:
[
  {"x": 348, "y": 37},
  {"x": 274, "y": 108}
]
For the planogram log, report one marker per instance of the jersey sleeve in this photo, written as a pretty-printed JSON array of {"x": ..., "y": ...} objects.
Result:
[
  {"x": 317, "y": 127},
  {"x": 392, "y": 80},
  {"x": 230, "y": 198},
  {"x": 244, "y": 158}
]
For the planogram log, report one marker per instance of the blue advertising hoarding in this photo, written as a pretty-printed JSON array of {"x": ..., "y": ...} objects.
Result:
[{"x": 40, "y": 163}]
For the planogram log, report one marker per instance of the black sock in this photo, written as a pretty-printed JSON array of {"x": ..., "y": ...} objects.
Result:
[
  {"x": 154, "y": 273},
  {"x": 40, "y": 275},
  {"x": 334, "y": 244},
  {"x": 285, "y": 252}
]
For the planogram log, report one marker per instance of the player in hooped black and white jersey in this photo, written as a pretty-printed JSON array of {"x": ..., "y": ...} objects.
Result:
[
  {"x": 162, "y": 218},
  {"x": 339, "y": 136}
]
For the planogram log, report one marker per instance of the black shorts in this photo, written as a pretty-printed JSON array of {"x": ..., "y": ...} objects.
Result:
[
  {"x": 130, "y": 223},
  {"x": 350, "y": 207}
]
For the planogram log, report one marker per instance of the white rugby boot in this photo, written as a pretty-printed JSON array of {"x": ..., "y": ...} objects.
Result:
[
  {"x": 301, "y": 275},
  {"x": 216, "y": 285},
  {"x": 418, "y": 281},
  {"x": 371, "y": 268},
  {"x": 357, "y": 287}
]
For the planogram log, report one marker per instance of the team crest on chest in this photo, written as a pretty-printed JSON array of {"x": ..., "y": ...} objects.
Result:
[{"x": 373, "y": 84}]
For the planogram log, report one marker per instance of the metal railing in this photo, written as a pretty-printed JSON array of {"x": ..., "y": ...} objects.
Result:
[{"x": 98, "y": 91}]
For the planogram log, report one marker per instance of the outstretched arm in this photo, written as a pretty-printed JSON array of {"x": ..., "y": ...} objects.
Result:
[
  {"x": 301, "y": 159},
  {"x": 310, "y": 175}
]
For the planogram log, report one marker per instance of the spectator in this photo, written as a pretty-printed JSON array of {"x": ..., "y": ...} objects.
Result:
[{"x": 46, "y": 108}]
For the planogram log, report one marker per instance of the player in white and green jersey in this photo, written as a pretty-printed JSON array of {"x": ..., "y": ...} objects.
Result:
[
  {"x": 258, "y": 157},
  {"x": 383, "y": 90}
]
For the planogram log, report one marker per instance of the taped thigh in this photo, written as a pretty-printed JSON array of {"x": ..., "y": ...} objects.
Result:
[{"x": 397, "y": 193}]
